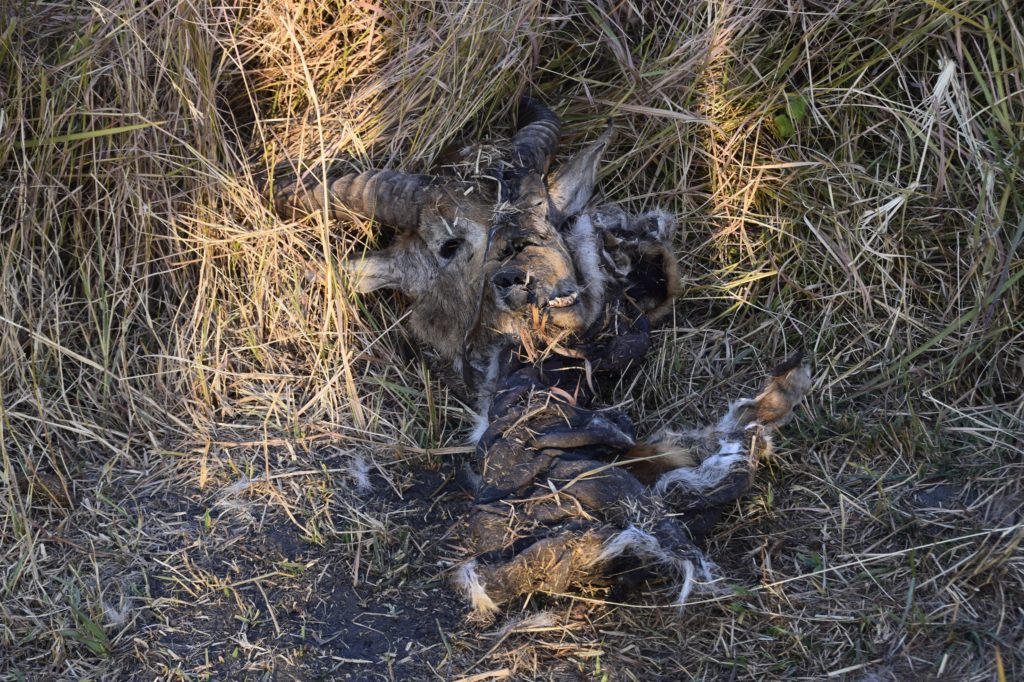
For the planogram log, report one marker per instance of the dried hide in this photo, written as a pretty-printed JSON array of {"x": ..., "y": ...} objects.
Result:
[
  {"x": 559, "y": 495},
  {"x": 564, "y": 493}
]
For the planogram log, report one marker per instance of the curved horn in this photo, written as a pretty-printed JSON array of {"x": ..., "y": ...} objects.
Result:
[
  {"x": 537, "y": 137},
  {"x": 389, "y": 197}
]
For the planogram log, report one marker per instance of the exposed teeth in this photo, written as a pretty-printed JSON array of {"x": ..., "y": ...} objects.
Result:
[{"x": 564, "y": 301}]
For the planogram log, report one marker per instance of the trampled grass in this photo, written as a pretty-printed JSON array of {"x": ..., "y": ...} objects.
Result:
[{"x": 212, "y": 468}]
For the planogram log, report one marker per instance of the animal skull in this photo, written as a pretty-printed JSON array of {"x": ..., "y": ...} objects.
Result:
[{"x": 483, "y": 258}]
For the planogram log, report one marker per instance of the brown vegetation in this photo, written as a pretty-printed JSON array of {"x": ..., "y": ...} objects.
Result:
[{"x": 212, "y": 468}]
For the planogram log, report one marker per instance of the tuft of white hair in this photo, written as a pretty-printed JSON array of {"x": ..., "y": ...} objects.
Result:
[
  {"x": 699, "y": 575},
  {"x": 730, "y": 420},
  {"x": 468, "y": 580},
  {"x": 710, "y": 472},
  {"x": 480, "y": 425},
  {"x": 684, "y": 591},
  {"x": 230, "y": 497},
  {"x": 642, "y": 543},
  {"x": 359, "y": 472},
  {"x": 631, "y": 540},
  {"x": 488, "y": 387},
  {"x": 117, "y": 615},
  {"x": 237, "y": 488}
]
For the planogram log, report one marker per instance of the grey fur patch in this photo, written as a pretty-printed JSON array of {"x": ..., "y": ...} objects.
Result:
[
  {"x": 665, "y": 224},
  {"x": 585, "y": 246}
]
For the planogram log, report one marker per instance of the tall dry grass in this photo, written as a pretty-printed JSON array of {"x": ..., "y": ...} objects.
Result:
[{"x": 849, "y": 179}]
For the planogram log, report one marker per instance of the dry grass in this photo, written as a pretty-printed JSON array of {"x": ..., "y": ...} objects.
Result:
[{"x": 187, "y": 425}]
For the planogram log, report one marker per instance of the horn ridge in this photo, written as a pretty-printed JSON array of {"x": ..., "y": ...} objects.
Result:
[
  {"x": 387, "y": 196},
  {"x": 537, "y": 136}
]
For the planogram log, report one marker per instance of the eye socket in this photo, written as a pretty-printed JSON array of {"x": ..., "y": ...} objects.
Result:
[{"x": 450, "y": 248}]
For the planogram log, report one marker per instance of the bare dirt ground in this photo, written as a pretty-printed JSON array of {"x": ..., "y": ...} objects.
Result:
[{"x": 213, "y": 468}]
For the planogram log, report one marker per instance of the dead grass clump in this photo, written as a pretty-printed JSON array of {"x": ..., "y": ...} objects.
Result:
[{"x": 183, "y": 413}]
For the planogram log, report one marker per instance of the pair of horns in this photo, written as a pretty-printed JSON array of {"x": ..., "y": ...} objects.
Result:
[{"x": 394, "y": 198}]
